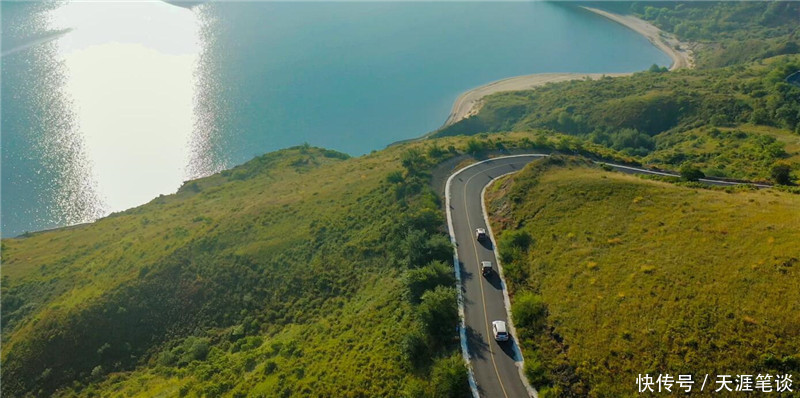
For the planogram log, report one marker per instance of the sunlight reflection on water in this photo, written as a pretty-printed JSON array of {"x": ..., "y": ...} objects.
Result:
[
  {"x": 47, "y": 179},
  {"x": 129, "y": 70},
  {"x": 107, "y": 104}
]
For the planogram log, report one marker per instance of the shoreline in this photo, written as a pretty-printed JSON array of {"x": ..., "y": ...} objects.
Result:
[
  {"x": 469, "y": 103},
  {"x": 682, "y": 57}
]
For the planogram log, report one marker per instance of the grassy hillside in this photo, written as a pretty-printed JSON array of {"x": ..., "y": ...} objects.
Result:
[
  {"x": 728, "y": 32},
  {"x": 733, "y": 122},
  {"x": 284, "y": 276},
  {"x": 302, "y": 272},
  {"x": 307, "y": 273},
  {"x": 612, "y": 275}
]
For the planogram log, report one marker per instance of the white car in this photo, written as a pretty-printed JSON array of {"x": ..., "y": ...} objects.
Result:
[
  {"x": 499, "y": 330},
  {"x": 480, "y": 234}
]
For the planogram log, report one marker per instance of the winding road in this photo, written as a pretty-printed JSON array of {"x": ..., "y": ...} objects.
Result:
[{"x": 495, "y": 368}]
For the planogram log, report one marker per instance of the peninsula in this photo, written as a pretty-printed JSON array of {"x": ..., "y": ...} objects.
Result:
[{"x": 468, "y": 103}]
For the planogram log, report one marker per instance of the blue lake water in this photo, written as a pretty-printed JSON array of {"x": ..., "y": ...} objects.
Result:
[{"x": 107, "y": 105}]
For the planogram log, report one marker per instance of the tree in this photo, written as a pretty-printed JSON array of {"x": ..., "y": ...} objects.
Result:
[
  {"x": 420, "y": 280},
  {"x": 420, "y": 248},
  {"x": 415, "y": 349},
  {"x": 449, "y": 378},
  {"x": 691, "y": 173},
  {"x": 781, "y": 174},
  {"x": 438, "y": 312}
]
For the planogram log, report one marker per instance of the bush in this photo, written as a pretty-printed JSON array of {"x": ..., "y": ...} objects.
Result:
[
  {"x": 519, "y": 239},
  {"x": 435, "y": 151},
  {"x": 513, "y": 243},
  {"x": 781, "y": 174},
  {"x": 536, "y": 372},
  {"x": 421, "y": 248},
  {"x": 691, "y": 173},
  {"x": 475, "y": 147},
  {"x": 449, "y": 378},
  {"x": 413, "y": 160},
  {"x": 415, "y": 349},
  {"x": 395, "y": 177},
  {"x": 438, "y": 312},
  {"x": 420, "y": 280},
  {"x": 529, "y": 311}
]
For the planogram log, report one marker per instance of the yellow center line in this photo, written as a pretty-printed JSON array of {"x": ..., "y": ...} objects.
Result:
[{"x": 483, "y": 297}]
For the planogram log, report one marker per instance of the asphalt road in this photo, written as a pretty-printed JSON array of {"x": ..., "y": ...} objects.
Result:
[{"x": 496, "y": 365}]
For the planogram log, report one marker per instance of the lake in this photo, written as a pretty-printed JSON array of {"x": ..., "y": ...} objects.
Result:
[{"x": 107, "y": 105}]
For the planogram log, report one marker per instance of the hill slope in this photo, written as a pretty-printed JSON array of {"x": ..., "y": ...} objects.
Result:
[
  {"x": 284, "y": 276},
  {"x": 612, "y": 275},
  {"x": 733, "y": 122}
]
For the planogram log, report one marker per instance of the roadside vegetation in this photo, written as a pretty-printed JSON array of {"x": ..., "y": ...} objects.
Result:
[
  {"x": 612, "y": 275},
  {"x": 726, "y": 32},
  {"x": 300, "y": 273},
  {"x": 735, "y": 122},
  {"x": 308, "y": 273}
]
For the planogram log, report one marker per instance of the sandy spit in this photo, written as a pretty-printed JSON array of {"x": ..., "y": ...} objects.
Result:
[{"x": 470, "y": 102}]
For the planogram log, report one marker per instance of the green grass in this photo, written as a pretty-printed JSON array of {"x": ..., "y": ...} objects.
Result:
[
  {"x": 293, "y": 260},
  {"x": 736, "y": 121},
  {"x": 200, "y": 292},
  {"x": 307, "y": 273},
  {"x": 641, "y": 276}
]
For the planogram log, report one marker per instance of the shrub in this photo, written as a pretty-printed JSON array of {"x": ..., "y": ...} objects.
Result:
[
  {"x": 421, "y": 248},
  {"x": 520, "y": 239},
  {"x": 196, "y": 349},
  {"x": 435, "y": 151},
  {"x": 438, "y": 312},
  {"x": 413, "y": 161},
  {"x": 536, "y": 372},
  {"x": 475, "y": 147},
  {"x": 449, "y": 378},
  {"x": 512, "y": 243},
  {"x": 781, "y": 174},
  {"x": 529, "y": 311},
  {"x": 420, "y": 280},
  {"x": 395, "y": 177},
  {"x": 691, "y": 173},
  {"x": 415, "y": 349}
]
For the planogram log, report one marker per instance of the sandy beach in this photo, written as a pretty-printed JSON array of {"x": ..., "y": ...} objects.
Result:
[
  {"x": 680, "y": 53},
  {"x": 469, "y": 103}
]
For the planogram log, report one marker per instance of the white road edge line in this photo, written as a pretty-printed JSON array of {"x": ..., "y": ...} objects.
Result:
[
  {"x": 661, "y": 173},
  {"x": 462, "y": 330},
  {"x": 507, "y": 301}
]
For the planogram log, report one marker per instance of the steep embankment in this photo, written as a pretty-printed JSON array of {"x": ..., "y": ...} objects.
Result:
[{"x": 612, "y": 275}]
